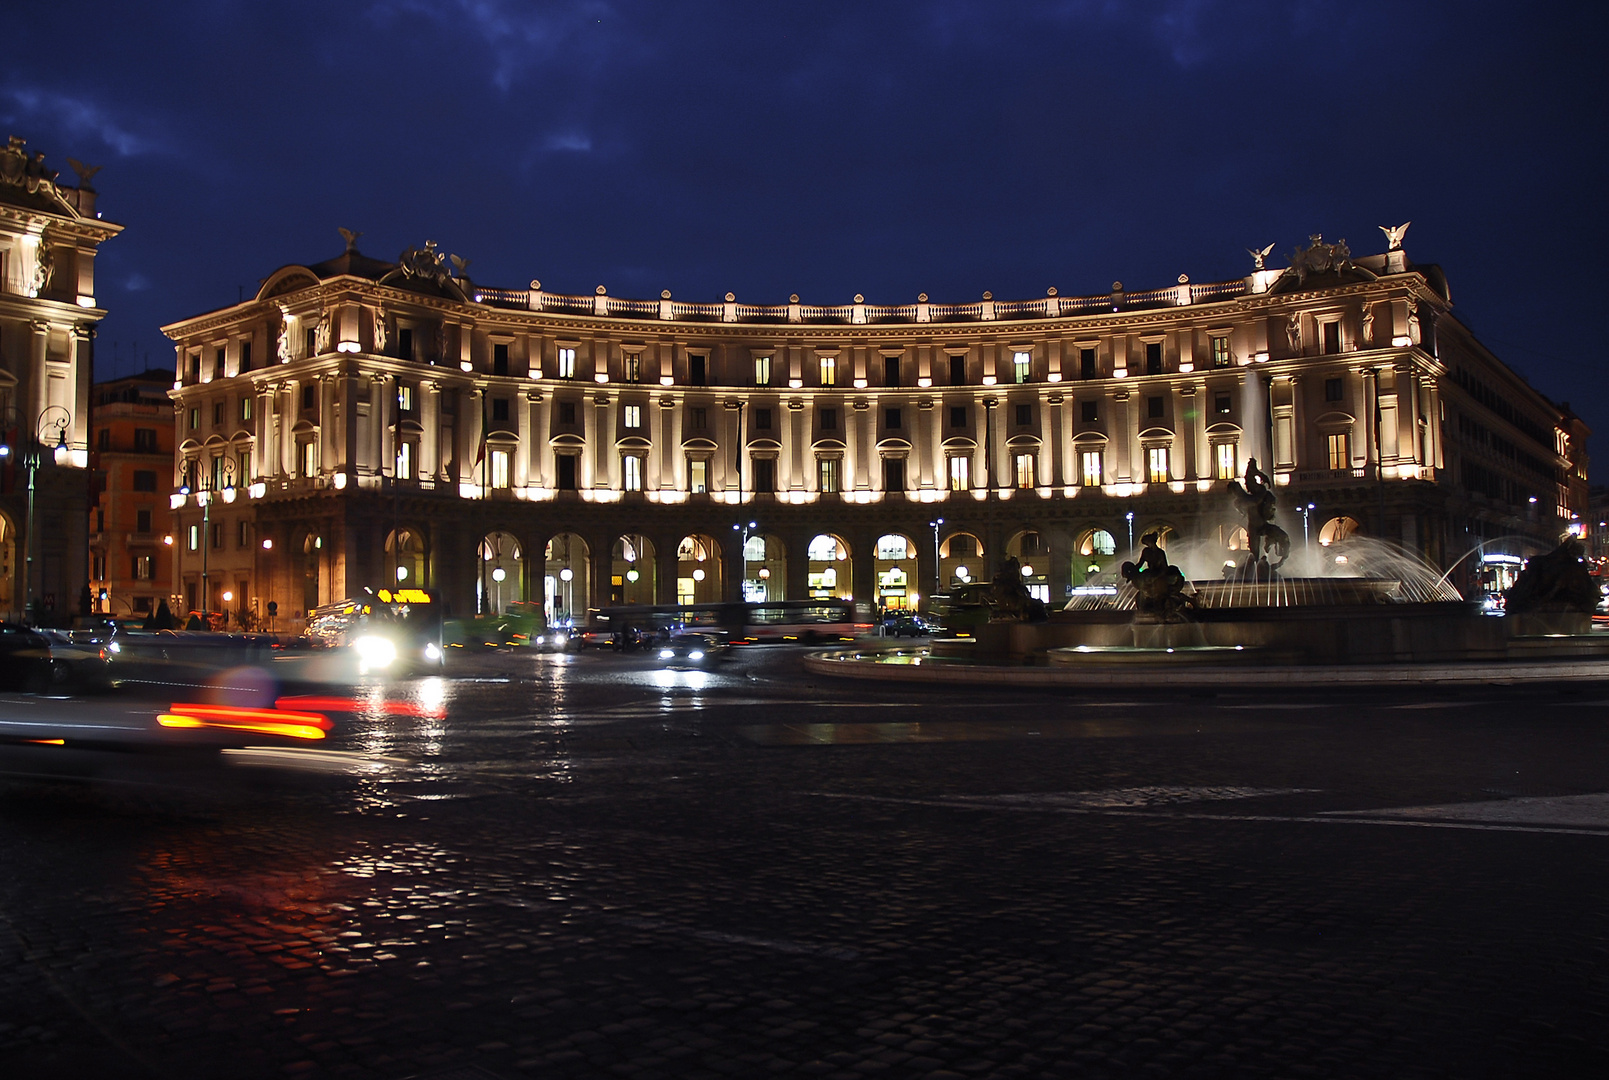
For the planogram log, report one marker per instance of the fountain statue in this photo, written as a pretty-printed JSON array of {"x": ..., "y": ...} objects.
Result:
[
  {"x": 1555, "y": 583},
  {"x": 1008, "y": 599},
  {"x": 1256, "y": 502},
  {"x": 1158, "y": 587}
]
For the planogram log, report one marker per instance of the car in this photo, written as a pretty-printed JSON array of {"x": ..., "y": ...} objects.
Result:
[
  {"x": 911, "y": 624},
  {"x": 693, "y": 650},
  {"x": 75, "y": 663},
  {"x": 25, "y": 661}
]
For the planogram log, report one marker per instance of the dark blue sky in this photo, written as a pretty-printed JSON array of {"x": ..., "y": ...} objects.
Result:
[{"x": 831, "y": 148}]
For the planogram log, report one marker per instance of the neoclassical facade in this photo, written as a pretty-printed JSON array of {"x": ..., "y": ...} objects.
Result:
[
  {"x": 360, "y": 422},
  {"x": 49, "y": 235}
]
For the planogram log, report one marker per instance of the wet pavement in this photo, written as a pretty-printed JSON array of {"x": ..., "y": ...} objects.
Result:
[{"x": 582, "y": 866}]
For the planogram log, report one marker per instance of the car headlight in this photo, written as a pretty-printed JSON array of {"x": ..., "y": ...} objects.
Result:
[
  {"x": 431, "y": 652},
  {"x": 696, "y": 654},
  {"x": 666, "y": 654},
  {"x": 114, "y": 647},
  {"x": 541, "y": 639},
  {"x": 375, "y": 652}
]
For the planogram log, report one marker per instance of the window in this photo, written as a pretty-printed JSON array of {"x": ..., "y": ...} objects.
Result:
[
  {"x": 1227, "y": 463},
  {"x": 566, "y": 364},
  {"x": 240, "y": 535},
  {"x": 245, "y": 357},
  {"x": 829, "y": 419},
  {"x": 1340, "y": 451},
  {"x": 217, "y": 364},
  {"x": 1024, "y": 470},
  {"x": 892, "y": 419},
  {"x": 958, "y": 416},
  {"x": 1154, "y": 407},
  {"x": 308, "y": 396},
  {"x": 565, "y": 466},
  {"x": 309, "y": 458},
  {"x": 217, "y": 473},
  {"x": 1157, "y": 464},
  {"x": 567, "y": 412},
  {"x": 103, "y": 441},
  {"x": 631, "y": 418},
  {"x": 405, "y": 342},
  {"x": 893, "y": 474},
  {"x": 405, "y": 460},
  {"x": 500, "y": 470},
  {"x": 631, "y": 472},
  {"x": 145, "y": 441},
  {"x": 195, "y": 418},
  {"x": 1089, "y": 411},
  {"x": 960, "y": 473},
  {"x": 1091, "y": 462},
  {"x": 829, "y": 371},
  {"x": 144, "y": 479},
  {"x": 500, "y": 410},
  {"x": 958, "y": 371},
  {"x": 698, "y": 420},
  {"x": 1086, "y": 363},
  {"x": 762, "y": 371},
  {"x": 310, "y": 340},
  {"x": 765, "y": 475},
  {"x": 1025, "y": 415},
  {"x": 405, "y": 399},
  {"x": 217, "y": 536},
  {"x": 499, "y": 358},
  {"x": 762, "y": 419},
  {"x": 631, "y": 367},
  {"x": 696, "y": 365},
  {"x": 142, "y": 521},
  {"x": 1153, "y": 358},
  {"x": 890, "y": 371},
  {"x": 1333, "y": 389},
  {"x": 1221, "y": 404},
  {"x": 1022, "y": 366},
  {"x": 1332, "y": 336},
  {"x": 194, "y": 538},
  {"x": 1220, "y": 351},
  {"x": 698, "y": 476},
  {"x": 217, "y": 414},
  {"x": 245, "y": 409},
  {"x": 827, "y": 474},
  {"x": 144, "y": 567}
]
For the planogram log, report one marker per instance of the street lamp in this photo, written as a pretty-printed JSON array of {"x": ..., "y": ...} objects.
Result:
[
  {"x": 1130, "y": 517},
  {"x": 49, "y": 426},
  {"x": 743, "y": 577},
  {"x": 938, "y": 582},
  {"x": 1306, "y": 540}
]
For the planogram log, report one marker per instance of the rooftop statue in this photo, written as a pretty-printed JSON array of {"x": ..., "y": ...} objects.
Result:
[
  {"x": 1256, "y": 501},
  {"x": 1319, "y": 257},
  {"x": 1394, "y": 236},
  {"x": 1259, "y": 257},
  {"x": 1158, "y": 586}
]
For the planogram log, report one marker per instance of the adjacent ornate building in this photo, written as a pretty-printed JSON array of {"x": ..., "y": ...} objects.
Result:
[
  {"x": 360, "y": 422},
  {"x": 49, "y": 235},
  {"x": 130, "y": 542}
]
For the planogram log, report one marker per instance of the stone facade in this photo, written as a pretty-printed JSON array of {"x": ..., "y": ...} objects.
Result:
[
  {"x": 130, "y": 542},
  {"x": 372, "y": 419},
  {"x": 49, "y": 235}
]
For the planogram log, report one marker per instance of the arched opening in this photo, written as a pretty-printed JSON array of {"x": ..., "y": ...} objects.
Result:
[
  {"x": 314, "y": 559},
  {"x": 1094, "y": 554},
  {"x": 829, "y": 568},
  {"x": 1032, "y": 550},
  {"x": 765, "y": 570},
  {"x": 564, "y": 578},
  {"x": 501, "y": 577},
  {"x": 405, "y": 559},
  {"x": 1337, "y": 529},
  {"x": 961, "y": 560},
  {"x": 897, "y": 587},
  {"x": 8, "y": 563},
  {"x": 632, "y": 571},
  {"x": 698, "y": 570}
]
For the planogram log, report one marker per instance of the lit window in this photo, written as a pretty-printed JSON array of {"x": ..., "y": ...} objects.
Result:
[
  {"x": 309, "y": 458},
  {"x": 829, "y": 371},
  {"x": 698, "y": 476},
  {"x": 405, "y": 461},
  {"x": 245, "y": 409},
  {"x": 1025, "y": 470},
  {"x": 195, "y": 537},
  {"x": 1220, "y": 351},
  {"x": 1227, "y": 462},
  {"x": 566, "y": 363},
  {"x": 632, "y": 365},
  {"x": 827, "y": 469},
  {"x": 1340, "y": 452},
  {"x": 1157, "y": 460},
  {"x": 405, "y": 398},
  {"x": 631, "y": 472},
  {"x": 633, "y": 417},
  {"x": 499, "y": 468},
  {"x": 1091, "y": 461},
  {"x": 1022, "y": 366},
  {"x": 762, "y": 371},
  {"x": 960, "y": 473}
]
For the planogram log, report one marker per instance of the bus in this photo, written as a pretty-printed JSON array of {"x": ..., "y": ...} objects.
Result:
[
  {"x": 807, "y": 621},
  {"x": 391, "y": 630}
]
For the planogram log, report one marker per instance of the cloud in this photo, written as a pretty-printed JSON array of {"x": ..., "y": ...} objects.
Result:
[
  {"x": 520, "y": 40},
  {"x": 137, "y": 283},
  {"x": 568, "y": 142},
  {"x": 31, "y": 107}
]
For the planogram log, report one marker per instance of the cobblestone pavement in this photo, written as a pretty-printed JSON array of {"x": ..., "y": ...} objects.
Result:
[{"x": 589, "y": 867}]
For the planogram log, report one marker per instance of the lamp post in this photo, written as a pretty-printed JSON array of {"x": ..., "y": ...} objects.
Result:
[
  {"x": 938, "y": 581},
  {"x": 1130, "y": 518},
  {"x": 50, "y": 427},
  {"x": 205, "y": 493},
  {"x": 1306, "y": 538},
  {"x": 743, "y": 576}
]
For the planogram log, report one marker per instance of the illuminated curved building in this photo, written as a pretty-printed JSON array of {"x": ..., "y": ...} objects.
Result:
[{"x": 378, "y": 421}]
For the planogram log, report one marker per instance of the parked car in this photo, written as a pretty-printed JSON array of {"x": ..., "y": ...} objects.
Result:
[{"x": 25, "y": 662}]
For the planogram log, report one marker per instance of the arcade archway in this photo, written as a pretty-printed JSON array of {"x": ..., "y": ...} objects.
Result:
[
  {"x": 897, "y": 585},
  {"x": 829, "y": 573},
  {"x": 500, "y": 580},
  {"x": 565, "y": 579},
  {"x": 698, "y": 570},
  {"x": 632, "y": 571}
]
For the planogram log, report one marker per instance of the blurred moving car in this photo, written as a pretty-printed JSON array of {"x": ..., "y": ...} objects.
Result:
[
  {"x": 81, "y": 664},
  {"x": 910, "y": 624},
  {"x": 25, "y": 661},
  {"x": 694, "y": 650}
]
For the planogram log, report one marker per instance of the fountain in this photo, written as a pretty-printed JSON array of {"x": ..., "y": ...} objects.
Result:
[{"x": 1358, "y": 611}]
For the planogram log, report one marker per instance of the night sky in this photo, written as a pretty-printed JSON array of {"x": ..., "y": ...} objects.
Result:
[{"x": 829, "y": 148}]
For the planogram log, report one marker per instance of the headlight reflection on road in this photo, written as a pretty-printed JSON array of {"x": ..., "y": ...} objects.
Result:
[{"x": 667, "y": 679}]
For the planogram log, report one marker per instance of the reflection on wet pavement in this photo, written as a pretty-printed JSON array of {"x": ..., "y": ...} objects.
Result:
[{"x": 946, "y": 731}]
